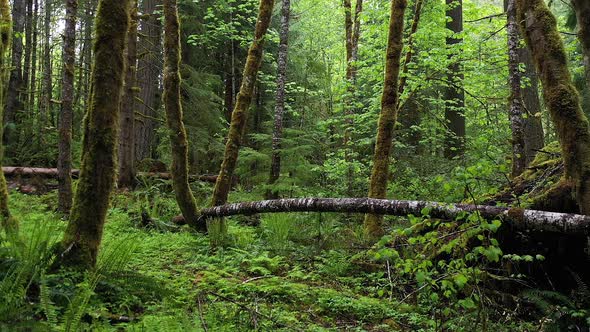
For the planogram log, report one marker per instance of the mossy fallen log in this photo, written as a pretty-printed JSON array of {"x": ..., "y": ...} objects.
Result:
[{"x": 517, "y": 218}]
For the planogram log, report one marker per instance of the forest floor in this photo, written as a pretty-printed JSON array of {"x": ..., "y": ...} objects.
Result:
[{"x": 291, "y": 272}]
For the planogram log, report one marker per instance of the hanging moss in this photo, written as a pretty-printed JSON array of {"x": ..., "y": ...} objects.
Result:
[
  {"x": 177, "y": 132},
  {"x": 81, "y": 242},
  {"x": 388, "y": 117},
  {"x": 7, "y": 221},
  {"x": 539, "y": 27},
  {"x": 244, "y": 99}
]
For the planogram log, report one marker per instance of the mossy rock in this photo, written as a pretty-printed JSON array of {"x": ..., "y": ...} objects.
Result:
[{"x": 541, "y": 186}]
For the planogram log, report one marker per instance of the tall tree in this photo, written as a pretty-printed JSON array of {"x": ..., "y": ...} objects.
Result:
[
  {"x": 149, "y": 70},
  {"x": 84, "y": 232},
  {"x": 127, "y": 139},
  {"x": 582, "y": 9},
  {"x": 173, "y": 106},
  {"x": 534, "y": 136},
  {"x": 539, "y": 27},
  {"x": 6, "y": 221},
  {"x": 388, "y": 117},
  {"x": 33, "y": 81},
  {"x": 244, "y": 99},
  {"x": 519, "y": 160},
  {"x": 64, "y": 160},
  {"x": 454, "y": 94},
  {"x": 277, "y": 135},
  {"x": 13, "y": 101},
  {"x": 47, "y": 68}
]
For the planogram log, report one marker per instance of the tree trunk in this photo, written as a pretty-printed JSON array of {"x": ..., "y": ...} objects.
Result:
[
  {"x": 127, "y": 135},
  {"x": 534, "y": 137},
  {"x": 514, "y": 217},
  {"x": 582, "y": 8},
  {"x": 28, "y": 51},
  {"x": 454, "y": 94},
  {"x": 540, "y": 30},
  {"x": 64, "y": 161},
  {"x": 13, "y": 101},
  {"x": 6, "y": 221},
  {"x": 277, "y": 135},
  {"x": 33, "y": 81},
  {"x": 239, "y": 115},
  {"x": 519, "y": 160},
  {"x": 149, "y": 69},
  {"x": 84, "y": 232},
  {"x": 47, "y": 70},
  {"x": 172, "y": 102},
  {"x": 388, "y": 117}
]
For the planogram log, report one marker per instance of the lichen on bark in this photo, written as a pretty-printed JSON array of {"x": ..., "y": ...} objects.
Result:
[
  {"x": 539, "y": 28},
  {"x": 388, "y": 117},
  {"x": 82, "y": 238},
  {"x": 173, "y": 106}
]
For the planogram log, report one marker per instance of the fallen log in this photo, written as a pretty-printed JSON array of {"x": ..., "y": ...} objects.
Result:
[
  {"x": 514, "y": 217},
  {"x": 52, "y": 173}
]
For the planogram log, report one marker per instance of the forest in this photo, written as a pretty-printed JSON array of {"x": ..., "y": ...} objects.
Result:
[{"x": 295, "y": 165}]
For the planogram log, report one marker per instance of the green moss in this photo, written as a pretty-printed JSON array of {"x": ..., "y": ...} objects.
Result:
[{"x": 7, "y": 221}]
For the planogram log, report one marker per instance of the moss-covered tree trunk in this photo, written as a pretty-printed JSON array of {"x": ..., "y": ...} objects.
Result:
[
  {"x": 240, "y": 113},
  {"x": 6, "y": 221},
  {"x": 277, "y": 134},
  {"x": 519, "y": 160},
  {"x": 64, "y": 160},
  {"x": 172, "y": 103},
  {"x": 582, "y": 8},
  {"x": 127, "y": 137},
  {"x": 388, "y": 117},
  {"x": 15, "y": 82},
  {"x": 83, "y": 235},
  {"x": 539, "y": 27}
]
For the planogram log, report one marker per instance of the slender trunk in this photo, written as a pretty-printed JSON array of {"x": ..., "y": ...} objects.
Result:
[
  {"x": 13, "y": 102},
  {"x": 47, "y": 70},
  {"x": 516, "y": 106},
  {"x": 388, "y": 117},
  {"x": 149, "y": 70},
  {"x": 127, "y": 139},
  {"x": 540, "y": 30},
  {"x": 239, "y": 115},
  {"x": 410, "y": 53},
  {"x": 454, "y": 95},
  {"x": 534, "y": 137},
  {"x": 33, "y": 84},
  {"x": 28, "y": 49},
  {"x": 277, "y": 135},
  {"x": 84, "y": 232},
  {"x": 516, "y": 218},
  {"x": 64, "y": 161},
  {"x": 6, "y": 221},
  {"x": 173, "y": 105},
  {"x": 582, "y": 8}
]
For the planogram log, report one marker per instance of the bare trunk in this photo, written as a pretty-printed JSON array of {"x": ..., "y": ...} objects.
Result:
[
  {"x": 388, "y": 117},
  {"x": 454, "y": 95},
  {"x": 516, "y": 106},
  {"x": 127, "y": 135},
  {"x": 534, "y": 137},
  {"x": 64, "y": 161},
  {"x": 28, "y": 50},
  {"x": 83, "y": 235},
  {"x": 15, "y": 84},
  {"x": 33, "y": 82},
  {"x": 277, "y": 135},
  {"x": 149, "y": 70},
  {"x": 47, "y": 71},
  {"x": 540, "y": 30},
  {"x": 239, "y": 115}
]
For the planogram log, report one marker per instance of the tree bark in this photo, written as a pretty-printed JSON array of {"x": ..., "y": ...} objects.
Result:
[
  {"x": 519, "y": 160},
  {"x": 83, "y": 235},
  {"x": 47, "y": 70},
  {"x": 13, "y": 101},
  {"x": 534, "y": 137},
  {"x": 149, "y": 70},
  {"x": 127, "y": 135},
  {"x": 6, "y": 220},
  {"x": 277, "y": 135},
  {"x": 454, "y": 94},
  {"x": 172, "y": 102},
  {"x": 28, "y": 51},
  {"x": 514, "y": 217},
  {"x": 540, "y": 30},
  {"x": 388, "y": 117},
  {"x": 582, "y": 9},
  {"x": 239, "y": 115},
  {"x": 33, "y": 81},
  {"x": 64, "y": 161}
]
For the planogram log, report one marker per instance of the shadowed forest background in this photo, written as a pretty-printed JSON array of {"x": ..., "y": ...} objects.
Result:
[{"x": 295, "y": 165}]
